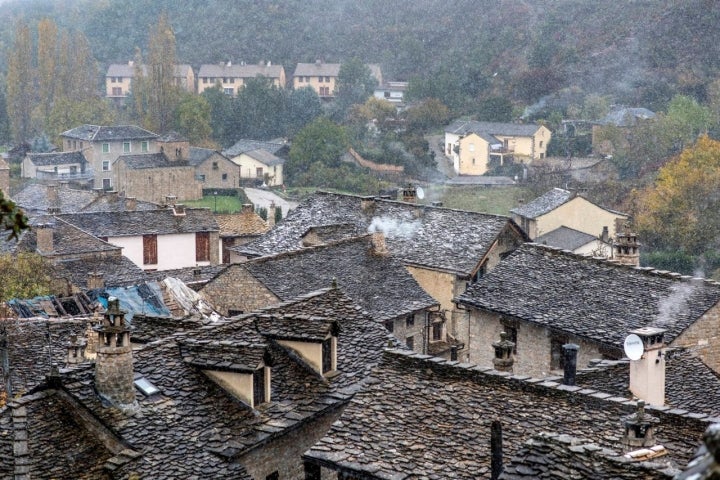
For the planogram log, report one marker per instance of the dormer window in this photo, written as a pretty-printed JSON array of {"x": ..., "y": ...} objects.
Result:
[
  {"x": 329, "y": 354},
  {"x": 261, "y": 386}
]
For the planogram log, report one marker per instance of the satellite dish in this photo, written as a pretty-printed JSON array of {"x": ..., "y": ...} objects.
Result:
[
  {"x": 633, "y": 346},
  {"x": 420, "y": 193}
]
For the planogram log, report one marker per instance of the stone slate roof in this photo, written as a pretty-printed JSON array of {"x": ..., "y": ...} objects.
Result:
[
  {"x": 172, "y": 136},
  {"x": 433, "y": 237},
  {"x": 199, "y": 155},
  {"x": 379, "y": 284},
  {"x": 247, "y": 145},
  {"x": 265, "y": 157},
  {"x": 241, "y": 224},
  {"x": 294, "y": 327},
  {"x": 195, "y": 429},
  {"x": 591, "y": 298},
  {"x": 335, "y": 232},
  {"x": 565, "y": 238},
  {"x": 68, "y": 239},
  {"x": 191, "y": 276},
  {"x": 215, "y": 70},
  {"x": 117, "y": 271},
  {"x": 151, "y": 160},
  {"x": 544, "y": 203},
  {"x": 329, "y": 70},
  {"x": 689, "y": 383},
  {"x": 548, "y": 456},
  {"x": 158, "y": 222},
  {"x": 463, "y": 127},
  {"x": 423, "y": 417},
  {"x": 33, "y": 345},
  {"x": 113, "y": 202},
  {"x": 57, "y": 158},
  {"x": 627, "y": 117},
  {"x": 34, "y": 197},
  {"x": 96, "y": 133}
]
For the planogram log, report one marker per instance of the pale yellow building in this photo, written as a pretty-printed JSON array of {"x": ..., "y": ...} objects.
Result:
[
  {"x": 475, "y": 147},
  {"x": 322, "y": 77},
  {"x": 119, "y": 76},
  {"x": 562, "y": 208},
  {"x": 261, "y": 166},
  {"x": 230, "y": 78}
]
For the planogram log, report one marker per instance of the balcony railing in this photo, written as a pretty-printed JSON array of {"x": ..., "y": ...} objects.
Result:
[{"x": 41, "y": 175}]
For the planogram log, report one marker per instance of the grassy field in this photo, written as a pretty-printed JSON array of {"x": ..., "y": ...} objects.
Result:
[
  {"x": 496, "y": 200},
  {"x": 224, "y": 204}
]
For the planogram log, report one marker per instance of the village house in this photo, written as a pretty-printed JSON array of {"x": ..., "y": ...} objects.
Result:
[
  {"x": 563, "y": 208},
  {"x": 153, "y": 177},
  {"x": 55, "y": 166},
  {"x": 611, "y": 132},
  {"x": 257, "y": 162},
  {"x": 240, "y": 228},
  {"x": 544, "y": 298},
  {"x": 162, "y": 239},
  {"x": 393, "y": 92},
  {"x": 475, "y": 147},
  {"x": 230, "y": 78},
  {"x": 213, "y": 169},
  {"x": 443, "y": 249},
  {"x": 361, "y": 267},
  {"x": 253, "y": 393},
  {"x": 322, "y": 77},
  {"x": 119, "y": 77},
  {"x": 102, "y": 145},
  {"x": 422, "y": 417}
]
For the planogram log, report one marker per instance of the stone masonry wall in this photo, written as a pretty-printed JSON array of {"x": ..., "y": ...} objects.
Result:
[
  {"x": 703, "y": 337},
  {"x": 533, "y": 345},
  {"x": 236, "y": 289},
  {"x": 284, "y": 454}
]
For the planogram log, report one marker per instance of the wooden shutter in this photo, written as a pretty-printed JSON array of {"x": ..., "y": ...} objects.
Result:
[
  {"x": 150, "y": 249},
  {"x": 202, "y": 247}
]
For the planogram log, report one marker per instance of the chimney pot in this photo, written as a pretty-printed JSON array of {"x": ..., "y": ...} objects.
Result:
[
  {"x": 377, "y": 240},
  {"x": 95, "y": 280},
  {"x": 647, "y": 375},
  {"x": 179, "y": 209},
  {"x": 130, "y": 204},
  {"x": 639, "y": 428},
  {"x": 250, "y": 208},
  {"x": 503, "y": 361},
  {"x": 170, "y": 200},
  {"x": 45, "y": 238},
  {"x": 605, "y": 235},
  {"x": 570, "y": 351}
]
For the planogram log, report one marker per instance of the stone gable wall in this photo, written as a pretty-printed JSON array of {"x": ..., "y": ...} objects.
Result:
[
  {"x": 236, "y": 289},
  {"x": 703, "y": 337}
]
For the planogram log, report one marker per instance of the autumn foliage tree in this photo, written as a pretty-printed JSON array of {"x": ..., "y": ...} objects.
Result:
[{"x": 681, "y": 211}]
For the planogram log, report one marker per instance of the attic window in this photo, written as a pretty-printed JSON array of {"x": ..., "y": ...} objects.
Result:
[{"x": 145, "y": 387}]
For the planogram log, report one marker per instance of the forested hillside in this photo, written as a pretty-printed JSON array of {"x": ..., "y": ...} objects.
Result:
[{"x": 641, "y": 52}]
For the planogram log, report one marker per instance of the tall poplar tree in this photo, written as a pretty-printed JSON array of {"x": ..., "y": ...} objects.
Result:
[
  {"x": 46, "y": 65},
  {"x": 163, "y": 94},
  {"x": 20, "y": 84}
]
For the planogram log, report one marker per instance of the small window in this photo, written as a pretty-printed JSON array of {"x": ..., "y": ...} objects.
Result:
[
  {"x": 232, "y": 79},
  {"x": 273, "y": 476},
  {"x": 202, "y": 246},
  {"x": 105, "y": 148},
  {"x": 410, "y": 321},
  {"x": 215, "y": 166},
  {"x": 259, "y": 396},
  {"x": 259, "y": 172},
  {"x": 320, "y": 79},
  {"x": 410, "y": 342},
  {"x": 327, "y": 359},
  {"x": 145, "y": 386},
  {"x": 437, "y": 329},
  {"x": 541, "y": 144},
  {"x": 228, "y": 91},
  {"x": 106, "y": 185},
  {"x": 327, "y": 79},
  {"x": 144, "y": 146},
  {"x": 557, "y": 359},
  {"x": 390, "y": 325},
  {"x": 200, "y": 178},
  {"x": 126, "y": 147},
  {"x": 300, "y": 79},
  {"x": 106, "y": 166},
  {"x": 224, "y": 177},
  {"x": 150, "y": 250}
]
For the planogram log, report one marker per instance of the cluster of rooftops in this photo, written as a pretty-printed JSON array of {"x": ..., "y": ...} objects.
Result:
[{"x": 312, "y": 382}]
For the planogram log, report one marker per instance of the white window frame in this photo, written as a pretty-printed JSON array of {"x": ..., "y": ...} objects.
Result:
[{"x": 127, "y": 147}]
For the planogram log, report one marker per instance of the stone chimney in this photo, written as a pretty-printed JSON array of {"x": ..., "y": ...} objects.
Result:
[
  {"x": 271, "y": 215},
  {"x": 170, "y": 200},
  {"x": 178, "y": 209},
  {"x": 504, "y": 360},
  {"x": 377, "y": 240},
  {"x": 249, "y": 208},
  {"x": 605, "y": 235},
  {"x": 45, "y": 238},
  {"x": 52, "y": 196},
  {"x": 639, "y": 429},
  {"x": 647, "y": 375},
  {"x": 570, "y": 351},
  {"x": 75, "y": 350},
  {"x": 626, "y": 249},
  {"x": 95, "y": 280},
  {"x": 114, "y": 362},
  {"x": 409, "y": 194},
  {"x": 130, "y": 204}
]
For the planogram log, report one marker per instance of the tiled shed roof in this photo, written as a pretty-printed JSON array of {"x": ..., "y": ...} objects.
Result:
[
  {"x": 423, "y": 417},
  {"x": 97, "y": 133},
  {"x": 158, "y": 222},
  {"x": 593, "y": 299},
  {"x": 433, "y": 237},
  {"x": 379, "y": 284}
]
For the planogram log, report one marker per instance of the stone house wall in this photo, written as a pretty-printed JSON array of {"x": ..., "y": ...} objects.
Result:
[
  {"x": 155, "y": 184},
  {"x": 217, "y": 172},
  {"x": 237, "y": 290},
  {"x": 703, "y": 337},
  {"x": 284, "y": 455},
  {"x": 403, "y": 329},
  {"x": 534, "y": 344}
]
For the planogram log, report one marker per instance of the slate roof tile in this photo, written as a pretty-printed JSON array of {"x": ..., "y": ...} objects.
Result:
[
  {"x": 158, "y": 222},
  {"x": 99, "y": 133},
  {"x": 545, "y": 203},
  {"x": 247, "y": 145},
  {"x": 151, "y": 160},
  {"x": 565, "y": 238},
  {"x": 463, "y": 127},
  {"x": 433, "y": 237},
  {"x": 591, "y": 298},
  {"x": 420, "y": 418},
  {"x": 56, "y": 158}
]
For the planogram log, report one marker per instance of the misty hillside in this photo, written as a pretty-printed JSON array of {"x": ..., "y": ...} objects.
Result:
[{"x": 641, "y": 51}]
